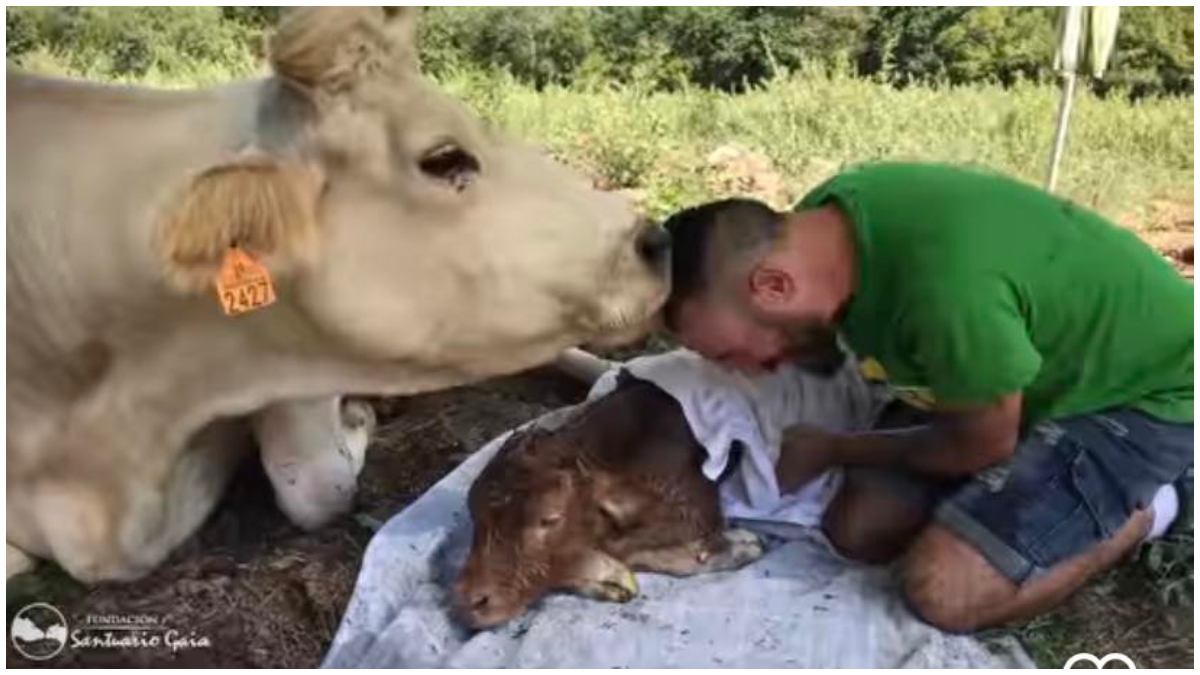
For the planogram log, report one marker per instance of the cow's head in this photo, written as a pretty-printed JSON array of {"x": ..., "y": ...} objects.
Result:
[
  {"x": 400, "y": 225},
  {"x": 535, "y": 529}
]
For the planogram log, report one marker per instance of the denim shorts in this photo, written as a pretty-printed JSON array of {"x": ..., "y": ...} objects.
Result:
[{"x": 1071, "y": 483}]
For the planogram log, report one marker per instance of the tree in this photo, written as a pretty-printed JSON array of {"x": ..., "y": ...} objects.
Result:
[
  {"x": 1154, "y": 52},
  {"x": 1000, "y": 44},
  {"x": 903, "y": 43}
]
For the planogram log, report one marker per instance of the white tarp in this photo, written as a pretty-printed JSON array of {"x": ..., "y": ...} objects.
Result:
[{"x": 799, "y": 606}]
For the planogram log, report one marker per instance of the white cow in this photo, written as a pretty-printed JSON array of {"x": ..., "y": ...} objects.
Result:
[{"x": 409, "y": 248}]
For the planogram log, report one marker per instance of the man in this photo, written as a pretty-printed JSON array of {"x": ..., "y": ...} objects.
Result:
[{"x": 1051, "y": 349}]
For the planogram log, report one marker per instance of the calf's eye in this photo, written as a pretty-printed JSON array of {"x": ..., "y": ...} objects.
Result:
[{"x": 550, "y": 521}]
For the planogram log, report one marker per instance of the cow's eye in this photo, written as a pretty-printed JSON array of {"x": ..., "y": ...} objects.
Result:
[
  {"x": 450, "y": 164},
  {"x": 550, "y": 521}
]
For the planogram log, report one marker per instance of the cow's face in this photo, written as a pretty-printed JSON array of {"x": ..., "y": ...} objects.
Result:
[{"x": 408, "y": 229}]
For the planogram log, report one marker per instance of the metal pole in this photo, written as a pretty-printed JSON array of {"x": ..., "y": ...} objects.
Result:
[{"x": 1060, "y": 133}]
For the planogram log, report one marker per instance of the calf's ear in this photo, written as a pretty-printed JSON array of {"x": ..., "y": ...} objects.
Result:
[
  {"x": 262, "y": 205},
  {"x": 619, "y": 505}
]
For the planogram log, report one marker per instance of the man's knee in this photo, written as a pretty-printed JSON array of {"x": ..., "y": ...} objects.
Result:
[
  {"x": 936, "y": 600},
  {"x": 859, "y": 541},
  {"x": 949, "y": 585},
  {"x": 869, "y": 524}
]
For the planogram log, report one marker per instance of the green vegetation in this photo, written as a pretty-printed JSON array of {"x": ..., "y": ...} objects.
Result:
[
  {"x": 620, "y": 91},
  {"x": 1120, "y": 154},
  {"x": 156, "y": 45},
  {"x": 727, "y": 48}
]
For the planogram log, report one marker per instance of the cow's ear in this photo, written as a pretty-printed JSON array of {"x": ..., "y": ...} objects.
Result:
[
  {"x": 266, "y": 207},
  {"x": 331, "y": 48}
]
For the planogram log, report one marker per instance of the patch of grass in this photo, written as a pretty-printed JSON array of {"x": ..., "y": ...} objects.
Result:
[
  {"x": 1169, "y": 566},
  {"x": 1048, "y": 639},
  {"x": 1120, "y": 155},
  {"x": 182, "y": 75},
  {"x": 1119, "y": 612},
  {"x": 1122, "y": 158},
  {"x": 46, "y": 582}
]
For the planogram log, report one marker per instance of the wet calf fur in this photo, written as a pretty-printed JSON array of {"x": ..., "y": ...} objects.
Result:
[{"x": 618, "y": 488}]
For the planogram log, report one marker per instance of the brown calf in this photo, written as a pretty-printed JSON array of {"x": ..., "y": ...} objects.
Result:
[{"x": 618, "y": 488}]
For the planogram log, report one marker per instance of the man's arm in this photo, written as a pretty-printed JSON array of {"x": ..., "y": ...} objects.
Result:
[{"x": 959, "y": 442}]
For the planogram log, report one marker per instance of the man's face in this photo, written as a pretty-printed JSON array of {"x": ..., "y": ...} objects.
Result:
[
  {"x": 754, "y": 340},
  {"x": 721, "y": 331}
]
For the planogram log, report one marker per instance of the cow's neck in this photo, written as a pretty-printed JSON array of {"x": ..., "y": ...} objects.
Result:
[{"x": 87, "y": 273}]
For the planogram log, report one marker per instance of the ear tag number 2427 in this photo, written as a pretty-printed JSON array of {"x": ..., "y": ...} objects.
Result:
[{"x": 243, "y": 284}]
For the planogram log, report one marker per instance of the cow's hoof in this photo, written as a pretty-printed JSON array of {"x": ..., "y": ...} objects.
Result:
[
  {"x": 744, "y": 547},
  {"x": 358, "y": 415},
  {"x": 602, "y": 577},
  {"x": 16, "y": 561},
  {"x": 611, "y": 590},
  {"x": 620, "y": 590}
]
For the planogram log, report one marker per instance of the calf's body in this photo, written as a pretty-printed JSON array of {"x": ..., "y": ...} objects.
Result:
[{"x": 618, "y": 488}]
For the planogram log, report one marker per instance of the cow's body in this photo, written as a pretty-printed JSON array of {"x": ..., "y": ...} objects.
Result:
[{"x": 130, "y": 393}]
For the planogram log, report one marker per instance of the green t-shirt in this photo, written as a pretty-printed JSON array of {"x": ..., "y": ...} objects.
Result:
[{"x": 971, "y": 286}]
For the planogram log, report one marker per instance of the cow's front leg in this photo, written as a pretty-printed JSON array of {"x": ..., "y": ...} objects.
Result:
[
  {"x": 16, "y": 561},
  {"x": 312, "y": 450},
  {"x": 603, "y": 577},
  {"x": 116, "y": 506},
  {"x": 728, "y": 550}
]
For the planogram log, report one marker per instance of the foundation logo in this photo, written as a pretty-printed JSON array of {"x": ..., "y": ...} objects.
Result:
[
  {"x": 1099, "y": 663},
  {"x": 38, "y": 631}
]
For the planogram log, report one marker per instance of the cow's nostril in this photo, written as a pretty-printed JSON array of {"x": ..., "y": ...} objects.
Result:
[
  {"x": 653, "y": 244},
  {"x": 479, "y": 601}
]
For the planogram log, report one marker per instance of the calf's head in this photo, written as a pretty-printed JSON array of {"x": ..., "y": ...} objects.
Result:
[
  {"x": 400, "y": 225},
  {"x": 534, "y": 529}
]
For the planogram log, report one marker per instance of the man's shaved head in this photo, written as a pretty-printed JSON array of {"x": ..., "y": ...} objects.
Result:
[
  {"x": 747, "y": 292},
  {"x": 712, "y": 241}
]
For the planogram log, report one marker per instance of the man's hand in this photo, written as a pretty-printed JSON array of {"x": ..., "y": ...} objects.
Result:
[
  {"x": 958, "y": 443},
  {"x": 806, "y": 454}
]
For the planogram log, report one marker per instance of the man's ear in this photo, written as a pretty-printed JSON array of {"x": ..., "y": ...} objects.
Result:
[
  {"x": 264, "y": 206},
  {"x": 770, "y": 287}
]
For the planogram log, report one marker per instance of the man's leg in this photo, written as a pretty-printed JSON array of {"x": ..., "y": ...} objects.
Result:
[
  {"x": 877, "y": 514},
  {"x": 1024, "y": 535},
  {"x": 949, "y": 584}
]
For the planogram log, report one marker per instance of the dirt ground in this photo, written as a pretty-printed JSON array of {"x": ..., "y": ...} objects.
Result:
[
  {"x": 1173, "y": 232},
  {"x": 263, "y": 594}
]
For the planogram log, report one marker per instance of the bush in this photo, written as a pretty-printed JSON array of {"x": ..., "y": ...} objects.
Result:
[
  {"x": 132, "y": 42},
  {"x": 21, "y": 32},
  {"x": 536, "y": 45}
]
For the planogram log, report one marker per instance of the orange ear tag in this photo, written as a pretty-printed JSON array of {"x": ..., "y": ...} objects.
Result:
[{"x": 243, "y": 284}]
